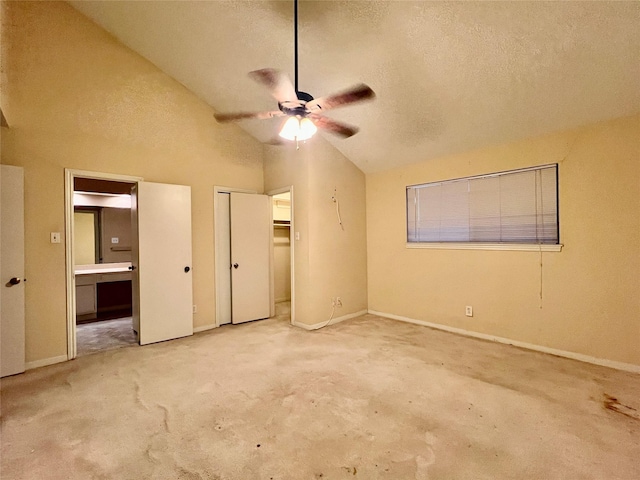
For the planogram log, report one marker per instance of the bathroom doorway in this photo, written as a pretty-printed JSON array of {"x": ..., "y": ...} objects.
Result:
[{"x": 100, "y": 230}]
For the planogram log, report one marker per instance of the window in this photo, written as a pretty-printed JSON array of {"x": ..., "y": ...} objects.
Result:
[{"x": 515, "y": 207}]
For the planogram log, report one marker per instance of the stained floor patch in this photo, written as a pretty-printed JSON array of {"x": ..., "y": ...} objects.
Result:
[{"x": 612, "y": 403}]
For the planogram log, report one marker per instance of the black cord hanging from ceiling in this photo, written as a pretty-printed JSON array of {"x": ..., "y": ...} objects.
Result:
[{"x": 295, "y": 42}]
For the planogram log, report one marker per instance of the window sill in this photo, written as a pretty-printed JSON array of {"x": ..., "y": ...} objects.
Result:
[{"x": 522, "y": 247}]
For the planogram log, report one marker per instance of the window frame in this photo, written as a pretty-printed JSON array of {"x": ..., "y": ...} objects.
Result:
[{"x": 489, "y": 245}]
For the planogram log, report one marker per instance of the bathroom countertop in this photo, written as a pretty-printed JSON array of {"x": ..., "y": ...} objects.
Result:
[{"x": 102, "y": 268}]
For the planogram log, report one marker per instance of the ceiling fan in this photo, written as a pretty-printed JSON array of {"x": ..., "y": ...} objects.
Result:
[{"x": 304, "y": 112}]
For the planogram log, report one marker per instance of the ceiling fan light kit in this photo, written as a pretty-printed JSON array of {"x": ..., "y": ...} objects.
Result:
[
  {"x": 298, "y": 129},
  {"x": 301, "y": 108}
]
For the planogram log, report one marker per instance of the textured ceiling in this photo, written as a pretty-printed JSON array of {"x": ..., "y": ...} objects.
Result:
[{"x": 449, "y": 76}]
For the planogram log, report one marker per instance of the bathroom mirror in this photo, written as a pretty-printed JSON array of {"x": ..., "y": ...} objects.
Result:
[
  {"x": 101, "y": 221},
  {"x": 101, "y": 235},
  {"x": 86, "y": 232}
]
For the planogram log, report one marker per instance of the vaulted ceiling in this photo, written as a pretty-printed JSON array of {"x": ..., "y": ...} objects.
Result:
[{"x": 449, "y": 76}]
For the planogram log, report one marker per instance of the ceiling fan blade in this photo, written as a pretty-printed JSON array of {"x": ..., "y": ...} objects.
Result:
[
  {"x": 330, "y": 125},
  {"x": 357, "y": 93},
  {"x": 277, "y": 83},
  {"x": 233, "y": 117}
]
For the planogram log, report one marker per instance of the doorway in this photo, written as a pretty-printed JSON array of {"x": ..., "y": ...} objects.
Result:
[
  {"x": 99, "y": 245},
  {"x": 281, "y": 254},
  {"x": 159, "y": 269}
]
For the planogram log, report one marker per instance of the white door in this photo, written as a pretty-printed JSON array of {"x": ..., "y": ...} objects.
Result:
[
  {"x": 161, "y": 262},
  {"x": 250, "y": 254},
  {"x": 12, "y": 270}
]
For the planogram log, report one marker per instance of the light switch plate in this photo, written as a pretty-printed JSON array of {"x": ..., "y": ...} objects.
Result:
[
  {"x": 55, "y": 237},
  {"x": 115, "y": 240}
]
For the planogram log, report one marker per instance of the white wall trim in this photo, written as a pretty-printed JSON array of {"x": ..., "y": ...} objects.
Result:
[
  {"x": 203, "y": 328},
  {"x": 45, "y": 362},
  {"x": 627, "y": 367},
  {"x": 486, "y": 246},
  {"x": 333, "y": 321}
]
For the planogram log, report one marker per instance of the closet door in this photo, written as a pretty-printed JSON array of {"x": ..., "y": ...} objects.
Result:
[{"x": 250, "y": 255}]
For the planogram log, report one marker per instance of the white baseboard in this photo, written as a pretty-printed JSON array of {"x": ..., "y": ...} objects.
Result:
[
  {"x": 203, "y": 328},
  {"x": 627, "y": 367},
  {"x": 333, "y": 321},
  {"x": 45, "y": 361}
]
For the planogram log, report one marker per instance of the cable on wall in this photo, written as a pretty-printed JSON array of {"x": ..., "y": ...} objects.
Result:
[
  {"x": 540, "y": 246},
  {"x": 333, "y": 311},
  {"x": 334, "y": 197}
]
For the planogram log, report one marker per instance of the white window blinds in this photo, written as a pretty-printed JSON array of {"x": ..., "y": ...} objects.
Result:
[{"x": 519, "y": 206}]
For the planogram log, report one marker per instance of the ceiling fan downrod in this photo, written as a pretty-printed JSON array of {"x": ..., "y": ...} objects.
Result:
[
  {"x": 304, "y": 96},
  {"x": 295, "y": 43}
]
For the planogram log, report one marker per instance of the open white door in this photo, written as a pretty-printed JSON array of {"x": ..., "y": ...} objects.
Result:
[
  {"x": 250, "y": 255},
  {"x": 12, "y": 270},
  {"x": 162, "y": 262}
]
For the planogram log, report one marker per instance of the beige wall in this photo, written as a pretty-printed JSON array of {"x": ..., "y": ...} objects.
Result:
[
  {"x": 76, "y": 98},
  {"x": 115, "y": 222},
  {"x": 329, "y": 261},
  {"x": 337, "y": 255},
  {"x": 591, "y": 290}
]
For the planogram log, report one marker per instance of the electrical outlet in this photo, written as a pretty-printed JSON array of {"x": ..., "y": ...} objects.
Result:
[
  {"x": 468, "y": 311},
  {"x": 338, "y": 301},
  {"x": 195, "y": 309},
  {"x": 55, "y": 237}
]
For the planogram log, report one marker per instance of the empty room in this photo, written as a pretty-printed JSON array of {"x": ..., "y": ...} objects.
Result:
[{"x": 320, "y": 240}]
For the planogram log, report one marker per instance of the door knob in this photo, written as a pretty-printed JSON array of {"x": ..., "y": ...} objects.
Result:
[
  {"x": 186, "y": 269},
  {"x": 235, "y": 265},
  {"x": 14, "y": 281}
]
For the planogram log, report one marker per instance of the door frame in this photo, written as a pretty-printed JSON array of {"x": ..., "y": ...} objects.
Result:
[
  {"x": 271, "y": 193},
  {"x": 69, "y": 176}
]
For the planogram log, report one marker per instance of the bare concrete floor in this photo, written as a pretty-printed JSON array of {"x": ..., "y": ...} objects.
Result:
[
  {"x": 113, "y": 333},
  {"x": 368, "y": 398}
]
